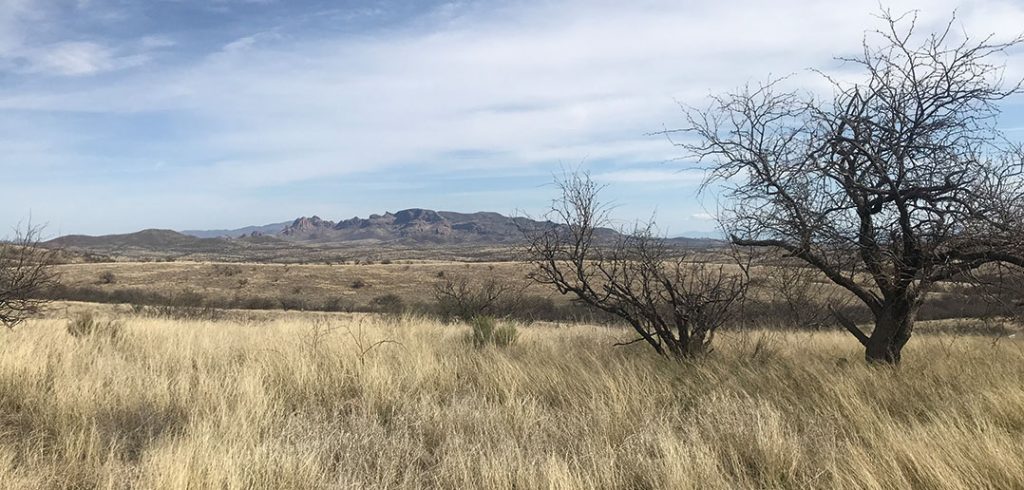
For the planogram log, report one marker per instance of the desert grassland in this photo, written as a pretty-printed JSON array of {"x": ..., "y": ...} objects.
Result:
[
  {"x": 297, "y": 401},
  {"x": 355, "y": 285},
  {"x": 315, "y": 283}
]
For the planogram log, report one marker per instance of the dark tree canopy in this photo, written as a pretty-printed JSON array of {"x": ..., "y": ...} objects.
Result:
[{"x": 897, "y": 181}]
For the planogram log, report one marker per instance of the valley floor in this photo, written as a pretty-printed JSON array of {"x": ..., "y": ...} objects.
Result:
[{"x": 315, "y": 401}]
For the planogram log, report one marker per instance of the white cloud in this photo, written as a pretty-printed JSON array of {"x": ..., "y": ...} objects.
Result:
[
  {"x": 77, "y": 58},
  {"x": 522, "y": 84}
]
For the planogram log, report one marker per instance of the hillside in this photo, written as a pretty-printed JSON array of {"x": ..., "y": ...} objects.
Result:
[
  {"x": 156, "y": 244},
  {"x": 271, "y": 229}
]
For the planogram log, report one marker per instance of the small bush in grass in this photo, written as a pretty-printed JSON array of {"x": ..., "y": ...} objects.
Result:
[
  {"x": 87, "y": 324},
  {"x": 338, "y": 304},
  {"x": 358, "y": 284},
  {"x": 389, "y": 304},
  {"x": 485, "y": 330},
  {"x": 255, "y": 303},
  {"x": 107, "y": 278},
  {"x": 294, "y": 303}
]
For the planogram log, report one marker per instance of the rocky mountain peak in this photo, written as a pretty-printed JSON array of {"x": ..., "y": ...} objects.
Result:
[{"x": 306, "y": 226}]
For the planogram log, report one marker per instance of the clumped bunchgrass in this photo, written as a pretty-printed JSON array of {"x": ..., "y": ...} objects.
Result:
[
  {"x": 239, "y": 404},
  {"x": 86, "y": 324},
  {"x": 486, "y": 330}
]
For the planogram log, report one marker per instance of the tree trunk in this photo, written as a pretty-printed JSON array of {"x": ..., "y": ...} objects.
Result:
[{"x": 893, "y": 327}]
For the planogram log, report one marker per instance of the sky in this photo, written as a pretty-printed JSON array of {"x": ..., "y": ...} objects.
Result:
[{"x": 120, "y": 115}]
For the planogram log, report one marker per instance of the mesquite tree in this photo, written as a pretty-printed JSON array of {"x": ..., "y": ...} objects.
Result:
[
  {"x": 894, "y": 183},
  {"x": 26, "y": 272},
  {"x": 674, "y": 304}
]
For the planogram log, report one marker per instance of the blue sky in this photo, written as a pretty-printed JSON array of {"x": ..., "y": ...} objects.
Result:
[{"x": 119, "y": 115}]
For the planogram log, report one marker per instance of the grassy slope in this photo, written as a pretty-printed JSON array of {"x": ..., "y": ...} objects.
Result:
[{"x": 268, "y": 404}]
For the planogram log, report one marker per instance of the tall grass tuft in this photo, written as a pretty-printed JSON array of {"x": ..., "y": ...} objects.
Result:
[{"x": 485, "y": 330}]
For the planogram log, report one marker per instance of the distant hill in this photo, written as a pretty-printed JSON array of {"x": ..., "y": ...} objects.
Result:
[
  {"x": 271, "y": 229},
  {"x": 158, "y": 244},
  {"x": 144, "y": 239}
]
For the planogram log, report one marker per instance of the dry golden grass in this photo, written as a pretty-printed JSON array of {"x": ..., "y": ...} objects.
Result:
[{"x": 289, "y": 403}]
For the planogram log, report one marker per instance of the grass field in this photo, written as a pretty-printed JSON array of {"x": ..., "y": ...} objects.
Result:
[
  {"x": 300, "y": 400},
  {"x": 315, "y": 284}
]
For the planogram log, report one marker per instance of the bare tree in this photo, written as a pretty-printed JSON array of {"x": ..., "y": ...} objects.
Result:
[
  {"x": 895, "y": 183},
  {"x": 26, "y": 271},
  {"x": 675, "y": 305},
  {"x": 459, "y": 298}
]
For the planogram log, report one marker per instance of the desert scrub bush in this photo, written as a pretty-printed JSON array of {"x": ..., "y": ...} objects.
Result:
[
  {"x": 107, "y": 277},
  {"x": 88, "y": 325},
  {"x": 255, "y": 303},
  {"x": 294, "y": 303},
  {"x": 391, "y": 305},
  {"x": 485, "y": 330},
  {"x": 461, "y": 299},
  {"x": 226, "y": 270},
  {"x": 336, "y": 304}
]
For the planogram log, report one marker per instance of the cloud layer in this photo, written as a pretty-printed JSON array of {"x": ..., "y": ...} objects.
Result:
[{"x": 261, "y": 116}]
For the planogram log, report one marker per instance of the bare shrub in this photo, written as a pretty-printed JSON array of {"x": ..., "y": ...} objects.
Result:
[
  {"x": 226, "y": 270},
  {"x": 107, "y": 277},
  {"x": 390, "y": 305},
  {"x": 26, "y": 273},
  {"x": 673, "y": 303},
  {"x": 461, "y": 299}
]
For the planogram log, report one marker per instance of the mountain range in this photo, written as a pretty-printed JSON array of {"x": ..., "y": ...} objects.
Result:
[{"x": 408, "y": 228}]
